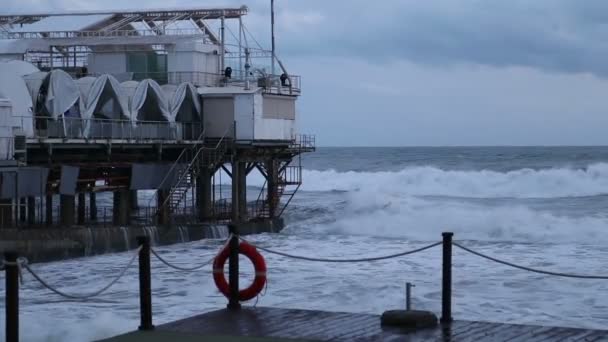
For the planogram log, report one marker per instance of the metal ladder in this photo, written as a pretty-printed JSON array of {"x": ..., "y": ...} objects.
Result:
[{"x": 198, "y": 156}]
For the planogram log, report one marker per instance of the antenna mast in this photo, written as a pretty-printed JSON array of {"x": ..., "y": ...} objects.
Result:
[{"x": 272, "y": 36}]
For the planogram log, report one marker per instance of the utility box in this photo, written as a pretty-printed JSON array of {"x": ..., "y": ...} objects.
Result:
[{"x": 248, "y": 115}]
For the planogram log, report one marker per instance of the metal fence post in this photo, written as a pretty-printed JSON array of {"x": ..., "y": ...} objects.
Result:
[
  {"x": 446, "y": 288},
  {"x": 12, "y": 297},
  {"x": 145, "y": 286},
  {"x": 233, "y": 268}
]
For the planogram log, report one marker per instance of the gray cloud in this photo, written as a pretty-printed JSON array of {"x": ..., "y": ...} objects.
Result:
[{"x": 555, "y": 35}]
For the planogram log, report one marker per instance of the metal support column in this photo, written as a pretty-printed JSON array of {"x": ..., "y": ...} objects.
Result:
[
  {"x": 93, "y": 206},
  {"x": 22, "y": 210},
  {"x": 162, "y": 208},
  {"x": 242, "y": 190},
  {"x": 203, "y": 194},
  {"x": 133, "y": 202},
  {"x": 81, "y": 208},
  {"x": 121, "y": 207},
  {"x": 273, "y": 193},
  {"x": 66, "y": 210},
  {"x": 6, "y": 213},
  {"x": 31, "y": 210},
  {"x": 235, "y": 192}
]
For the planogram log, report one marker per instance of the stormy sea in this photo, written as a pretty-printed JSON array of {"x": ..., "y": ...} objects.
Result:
[{"x": 540, "y": 207}]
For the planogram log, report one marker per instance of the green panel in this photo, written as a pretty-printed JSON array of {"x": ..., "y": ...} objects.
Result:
[{"x": 147, "y": 65}]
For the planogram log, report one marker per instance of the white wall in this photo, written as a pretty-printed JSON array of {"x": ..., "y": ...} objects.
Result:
[
  {"x": 266, "y": 128},
  {"x": 279, "y": 107},
  {"x": 196, "y": 59}
]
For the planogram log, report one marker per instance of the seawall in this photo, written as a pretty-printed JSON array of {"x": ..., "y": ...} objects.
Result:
[{"x": 42, "y": 244}]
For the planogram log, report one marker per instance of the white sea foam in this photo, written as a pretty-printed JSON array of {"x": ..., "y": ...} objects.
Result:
[
  {"x": 370, "y": 213},
  {"x": 432, "y": 181}
]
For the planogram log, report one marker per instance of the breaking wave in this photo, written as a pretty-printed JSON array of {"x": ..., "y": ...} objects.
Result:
[
  {"x": 422, "y": 220},
  {"x": 432, "y": 181},
  {"x": 419, "y": 203}
]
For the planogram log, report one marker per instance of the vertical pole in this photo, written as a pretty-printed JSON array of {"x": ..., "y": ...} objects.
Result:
[
  {"x": 223, "y": 44},
  {"x": 446, "y": 288},
  {"x": 233, "y": 268},
  {"x": 81, "y": 208},
  {"x": 12, "y": 297},
  {"x": 272, "y": 181},
  {"x": 242, "y": 190},
  {"x": 145, "y": 284},
  {"x": 235, "y": 190},
  {"x": 31, "y": 210},
  {"x": 93, "y": 206},
  {"x": 241, "y": 47},
  {"x": 272, "y": 71},
  {"x": 66, "y": 209},
  {"x": 408, "y": 296},
  {"x": 22, "y": 210}
]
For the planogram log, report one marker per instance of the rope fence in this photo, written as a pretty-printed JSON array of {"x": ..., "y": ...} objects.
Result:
[
  {"x": 181, "y": 268},
  {"x": 529, "y": 269},
  {"x": 22, "y": 263},
  {"x": 370, "y": 259},
  {"x": 14, "y": 266}
]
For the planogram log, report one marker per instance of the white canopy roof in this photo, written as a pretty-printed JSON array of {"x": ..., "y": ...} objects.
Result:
[
  {"x": 103, "y": 96},
  {"x": 60, "y": 89},
  {"x": 184, "y": 103},
  {"x": 12, "y": 86},
  {"x": 147, "y": 101}
]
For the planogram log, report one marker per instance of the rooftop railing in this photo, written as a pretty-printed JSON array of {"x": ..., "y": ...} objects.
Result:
[
  {"x": 159, "y": 32},
  {"x": 96, "y": 128},
  {"x": 270, "y": 84}
]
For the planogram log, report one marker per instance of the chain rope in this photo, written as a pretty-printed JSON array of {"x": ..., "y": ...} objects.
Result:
[
  {"x": 529, "y": 269},
  {"x": 23, "y": 262},
  {"x": 391, "y": 256},
  {"x": 181, "y": 268}
]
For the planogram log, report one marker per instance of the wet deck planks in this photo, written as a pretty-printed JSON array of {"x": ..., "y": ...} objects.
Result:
[{"x": 274, "y": 323}]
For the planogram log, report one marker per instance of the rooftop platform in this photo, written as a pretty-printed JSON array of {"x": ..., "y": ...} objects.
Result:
[{"x": 273, "y": 324}]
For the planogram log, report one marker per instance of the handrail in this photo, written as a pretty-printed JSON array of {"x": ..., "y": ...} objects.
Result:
[
  {"x": 194, "y": 159},
  {"x": 201, "y": 137}
]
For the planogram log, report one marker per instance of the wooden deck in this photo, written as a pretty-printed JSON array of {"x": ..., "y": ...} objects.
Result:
[{"x": 272, "y": 324}]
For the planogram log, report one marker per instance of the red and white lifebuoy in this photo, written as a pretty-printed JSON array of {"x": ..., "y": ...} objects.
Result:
[{"x": 258, "y": 263}]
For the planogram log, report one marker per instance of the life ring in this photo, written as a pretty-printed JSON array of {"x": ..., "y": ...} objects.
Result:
[{"x": 258, "y": 263}]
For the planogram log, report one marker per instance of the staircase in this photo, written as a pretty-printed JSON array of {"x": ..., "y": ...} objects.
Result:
[
  {"x": 184, "y": 171},
  {"x": 289, "y": 181}
]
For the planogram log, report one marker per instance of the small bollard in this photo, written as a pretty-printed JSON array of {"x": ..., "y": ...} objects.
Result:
[
  {"x": 446, "y": 286},
  {"x": 233, "y": 269},
  {"x": 12, "y": 297},
  {"x": 145, "y": 284},
  {"x": 408, "y": 296}
]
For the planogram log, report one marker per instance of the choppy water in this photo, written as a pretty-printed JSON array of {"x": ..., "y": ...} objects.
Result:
[{"x": 541, "y": 207}]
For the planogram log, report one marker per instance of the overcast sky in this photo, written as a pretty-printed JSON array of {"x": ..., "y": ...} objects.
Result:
[{"x": 432, "y": 72}]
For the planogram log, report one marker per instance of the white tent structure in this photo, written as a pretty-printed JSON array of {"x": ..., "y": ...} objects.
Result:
[
  {"x": 184, "y": 102},
  {"x": 102, "y": 98},
  {"x": 185, "y": 108},
  {"x": 147, "y": 101},
  {"x": 13, "y": 88},
  {"x": 59, "y": 92}
]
